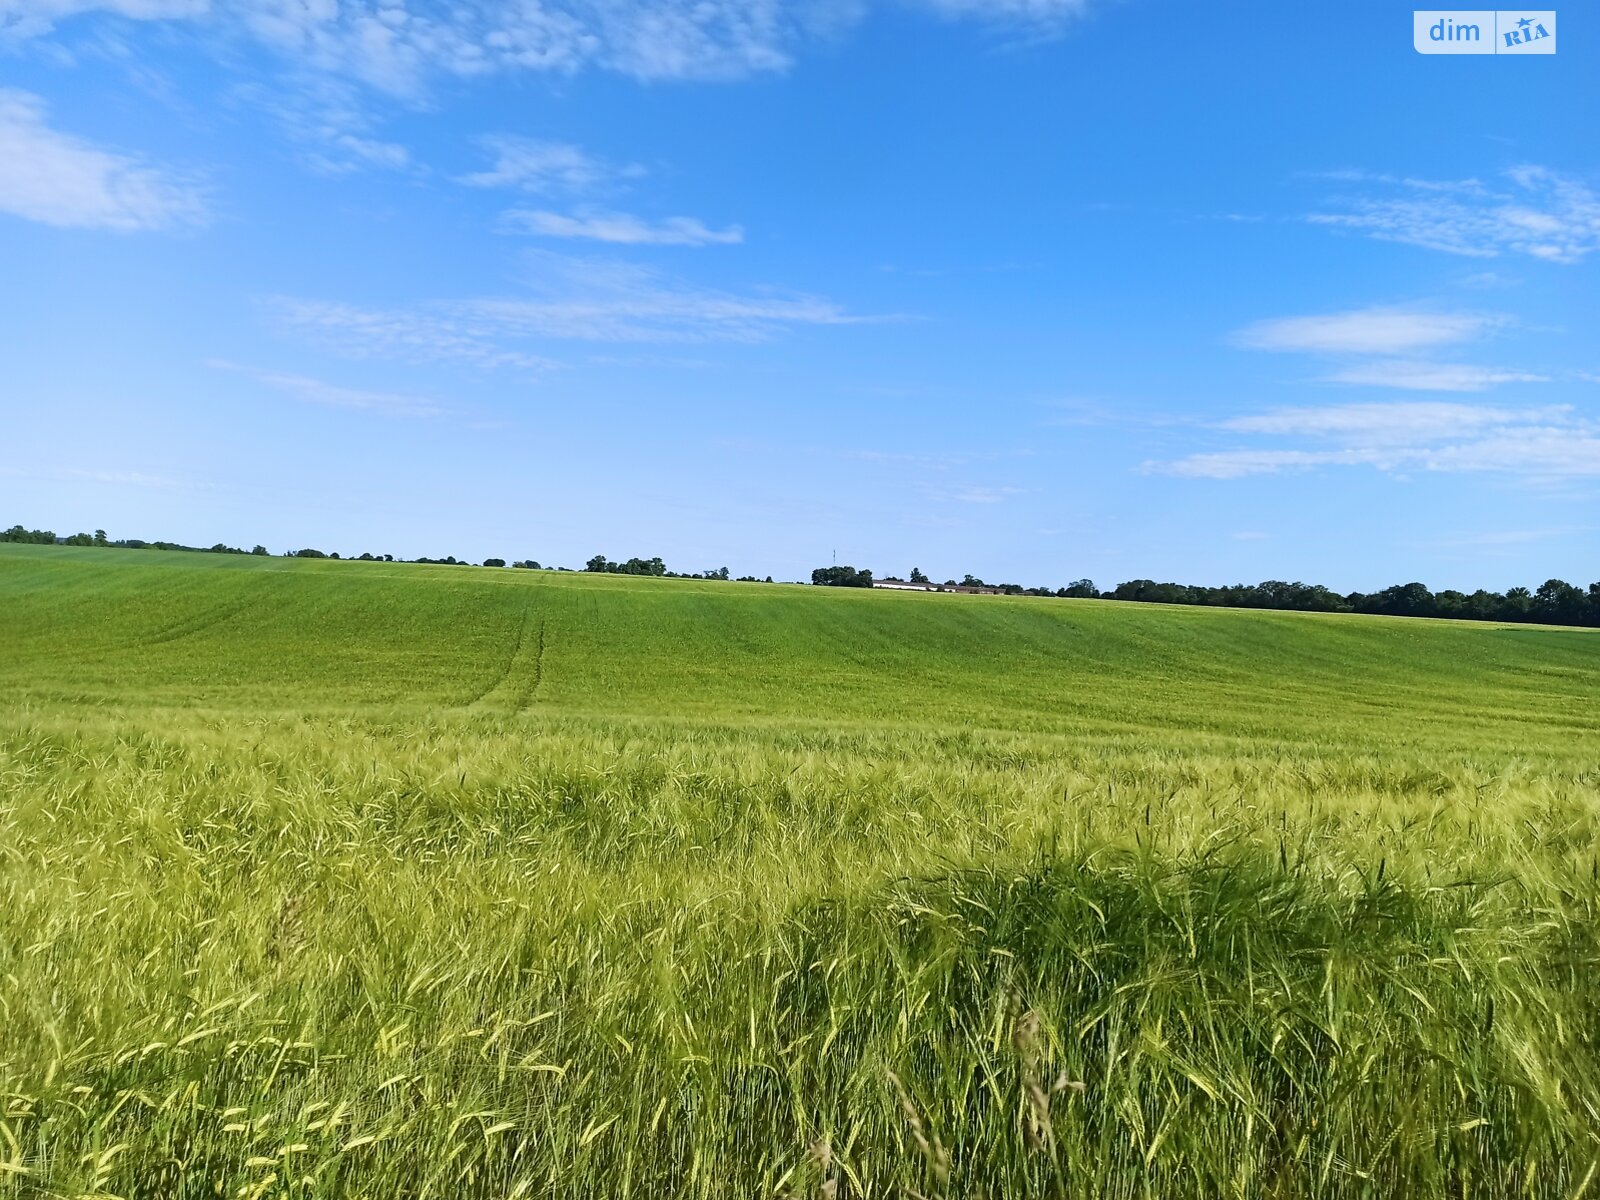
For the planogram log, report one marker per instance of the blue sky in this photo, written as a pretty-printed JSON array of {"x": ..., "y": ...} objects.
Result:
[{"x": 1035, "y": 289}]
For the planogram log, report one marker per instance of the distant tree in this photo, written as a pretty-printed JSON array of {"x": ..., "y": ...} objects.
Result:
[
  {"x": 841, "y": 577},
  {"x": 719, "y": 573},
  {"x": 309, "y": 553},
  {"x": 1518, "y": 605},
  {"x": 1559, "y": 603},
  {"x": 100, "y": 538},
  {"x": 597, "y": 564},
  {"x": 917, "y": 576},
  {"x": 971, "y": 580},
  {"x": 33, "y": 537},
  {"x": 1404, "y": 600},
  {"x": 259, "y": 550},
  {"x": 494, "y": 562},
  {"x": 527, "y": 565},
  {"x": 1081, "y": 589}
]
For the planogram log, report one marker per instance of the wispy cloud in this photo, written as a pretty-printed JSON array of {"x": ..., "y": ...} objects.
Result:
[
  {"x": 114, "y": 477},
  {"x": 21, "y": 19},
  {"x": 1045, "y": 14},
  {"x": 567, "y": 299},
  {"x": 603, "y": 300},
  {"x": 431, "y": 334},
  {"x": 1430, "y": 376},
  {"x": 974, "y": 494},
  {"x": 58, "y": 179},
  {"x": 400, "y": 49},
  {"x": 326, "y": 119},
  {"x": 1530, "y": 210},
  {"x": 544, "y": 166},
  {"x": 1389, "y": 332},
  {"x": 1385, "y": 424},
  {"x": 624, "y": 229},
  {"x": 1366, "y": 331},
  {"x": 1540, "y": 444},
  {"x": 317, "y": 391}
]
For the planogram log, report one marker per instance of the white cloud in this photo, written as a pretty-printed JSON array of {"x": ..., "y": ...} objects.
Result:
[
  {"x": 52, "y": 177},
  {"x": 1429, "y": 376},
  {"x": 317, "y": 391},
  {"x": 543, "y": 166},
  {"x": 1366, "y": 331},
  {"x": 1389, "y": 332},
  {"x": 571, "y": 299},
  {"x": 399, "y": 49},
  {"x": 600, "y": 300},
  {"x": 429, "y": 335},
  {"x": 1535, "y": 211},
  {"x": 1039, "y": 15},
  {"x": 32, "y": 18},
  {"x": 697, "y": 39},
  {"x": 624, "y": 229},
  {"x": 1539, "y": 444},
  {"x": 1235, "y": 464},
  {"x": 1379, "y": 423},
  {"x": 975, "y": 494},
  {"x": 328, "y": 120}
]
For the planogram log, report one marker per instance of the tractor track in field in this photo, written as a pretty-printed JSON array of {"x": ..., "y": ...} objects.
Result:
[
  {"x": 198, "y": 623},
  {"x": 523, "y": 697},
  {"x": 531, "y": 694}
]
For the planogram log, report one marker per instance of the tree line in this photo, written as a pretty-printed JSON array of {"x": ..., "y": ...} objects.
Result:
[
  {"x": 598, "y": 564},
  {"x": 1553, "y": 602}
]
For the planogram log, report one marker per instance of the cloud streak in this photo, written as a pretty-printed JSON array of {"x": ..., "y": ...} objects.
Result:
[
  {"x": 566, "y": 299},
  {"x": 1366, "y": 331},
  {"x": 1399, "y": 336},
  {"x": 623, "y": 229},
  {"x": 57, "y": 179},
  {"x": 399, "y": 49},
  {"x": 317, "y": 391},
  {"x": 535, "y": 165},
  {"x": 1536, "y": 444},
  {"x": 1430, "y": 377},
  {"x": 1532, "y": 210}
]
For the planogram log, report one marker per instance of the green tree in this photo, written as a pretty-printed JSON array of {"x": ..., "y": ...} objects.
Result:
[
  {"x": 841, "y": 577},
  {"x": 1559, "y": 603}
]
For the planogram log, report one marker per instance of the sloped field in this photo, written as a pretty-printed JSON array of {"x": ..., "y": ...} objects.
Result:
[{"x": 343, "y": 879}]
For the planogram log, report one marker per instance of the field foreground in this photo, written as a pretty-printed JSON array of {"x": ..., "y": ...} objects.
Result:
[{"x": 326, "y": 879}]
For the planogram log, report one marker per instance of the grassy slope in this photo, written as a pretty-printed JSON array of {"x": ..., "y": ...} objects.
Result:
[
  {"x": 274, "y": 634},
  {"x": 331, "y": 856}
]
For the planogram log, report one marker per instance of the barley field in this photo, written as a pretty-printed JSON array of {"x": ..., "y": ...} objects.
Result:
[{"x": 336, "y": 879}]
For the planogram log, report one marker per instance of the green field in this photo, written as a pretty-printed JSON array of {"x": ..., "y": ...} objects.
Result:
[{"x": 335, "y": 879}]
